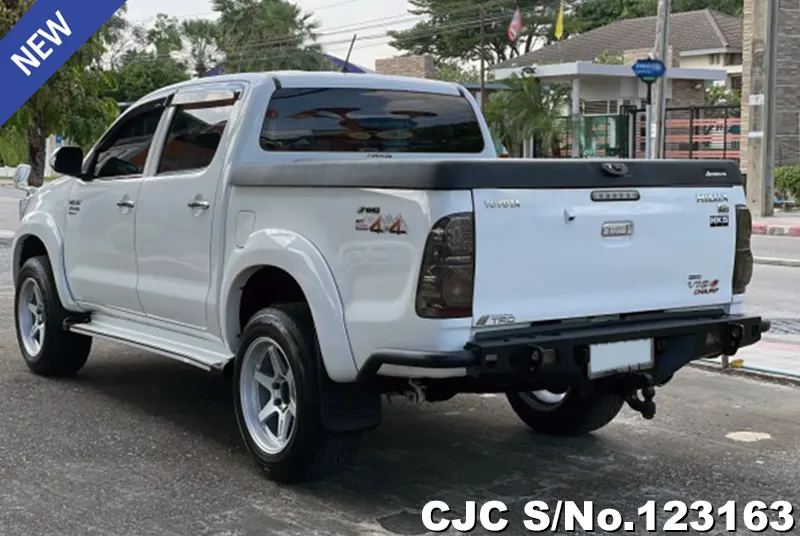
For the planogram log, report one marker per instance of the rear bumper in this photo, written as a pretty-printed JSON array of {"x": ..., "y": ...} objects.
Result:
[{"x": 559, "y": 354}]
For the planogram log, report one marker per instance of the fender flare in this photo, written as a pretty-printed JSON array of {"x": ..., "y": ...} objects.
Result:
[
  {"x": 42, "y": 226},
  {"x": 298, "y": 257}
]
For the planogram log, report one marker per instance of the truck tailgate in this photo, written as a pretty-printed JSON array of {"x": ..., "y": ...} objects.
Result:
[{"x": 546, "y": 254}]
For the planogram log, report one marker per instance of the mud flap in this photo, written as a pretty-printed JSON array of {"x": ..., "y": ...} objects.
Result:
[{"x": 347, "y": 407}]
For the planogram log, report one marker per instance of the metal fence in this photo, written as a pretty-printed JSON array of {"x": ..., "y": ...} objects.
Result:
[{"x": 693, "y": 132}]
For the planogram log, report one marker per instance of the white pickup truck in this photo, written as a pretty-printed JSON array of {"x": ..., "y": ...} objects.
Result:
[{"x": 328, "y": 238}]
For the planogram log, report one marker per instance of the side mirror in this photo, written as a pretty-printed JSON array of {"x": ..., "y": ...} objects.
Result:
[
  {"x": 68, "y": 161},
  {"x": 21, "y": 177}
]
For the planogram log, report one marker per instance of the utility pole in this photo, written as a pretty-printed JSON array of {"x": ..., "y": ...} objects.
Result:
[
  {"x": 483, "y": 59},
  {"x": 761, "y": 121},
  {"x": 660, "y": 51}
]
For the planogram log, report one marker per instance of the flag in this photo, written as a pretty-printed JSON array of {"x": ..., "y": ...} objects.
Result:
[
  {"x": 516, "y": 25},
  {"x": 559, "y": 31}
]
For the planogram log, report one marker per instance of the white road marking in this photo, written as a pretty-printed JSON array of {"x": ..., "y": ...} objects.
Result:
[{"x": 748, "y": 437}]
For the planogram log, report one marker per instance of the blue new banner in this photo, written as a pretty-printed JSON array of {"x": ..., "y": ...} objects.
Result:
[{"x": 42, "y": 41}]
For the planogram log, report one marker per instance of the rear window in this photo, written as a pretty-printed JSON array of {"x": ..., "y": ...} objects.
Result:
[{"x": 370, "y": 120}]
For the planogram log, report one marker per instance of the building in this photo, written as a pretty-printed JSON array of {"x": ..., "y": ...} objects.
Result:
[
  {"x": 787, "y": 97},
  {"x": 702, "y": 39}
]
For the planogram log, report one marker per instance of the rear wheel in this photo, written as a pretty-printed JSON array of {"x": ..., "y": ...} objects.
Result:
[
  {"x": 565, "y": 414},
  {"x": 47, "y": 348},
  {"x": 277, "y": 398}
]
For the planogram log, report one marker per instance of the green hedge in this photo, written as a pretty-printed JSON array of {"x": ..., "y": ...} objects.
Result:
[{"x": 787, "y": 182}]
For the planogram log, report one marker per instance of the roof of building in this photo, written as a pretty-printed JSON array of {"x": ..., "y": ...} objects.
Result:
[{"x": 689, "y": 31}]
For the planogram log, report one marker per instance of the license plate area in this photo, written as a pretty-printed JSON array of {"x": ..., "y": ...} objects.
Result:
[{"x": 620, "y": 357}]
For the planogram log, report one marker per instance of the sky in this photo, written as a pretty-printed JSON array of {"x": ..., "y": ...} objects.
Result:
[{"x": 338, "y": 19}]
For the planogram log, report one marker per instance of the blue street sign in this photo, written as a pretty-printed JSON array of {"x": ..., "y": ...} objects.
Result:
[
  {"x": 58, "y": 139},
  {"x": 649, "y": 70}
]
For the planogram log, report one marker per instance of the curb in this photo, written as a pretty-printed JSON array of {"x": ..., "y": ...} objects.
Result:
[
  {"x": 776, "y": 230},
  {"x": 744, "y": 372},
  {"x": 773, "y": 261}
]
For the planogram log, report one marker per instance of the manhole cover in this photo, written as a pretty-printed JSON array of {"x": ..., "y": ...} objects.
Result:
[{"x": 790, "y": 326}]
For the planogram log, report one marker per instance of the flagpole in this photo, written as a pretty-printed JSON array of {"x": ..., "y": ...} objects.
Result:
[{"x": 483, "y": 59}]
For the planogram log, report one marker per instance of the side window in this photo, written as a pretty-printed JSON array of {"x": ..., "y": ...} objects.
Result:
[
  {"x": 194, "y": 137},
  {"x": 125, "y": 152}
]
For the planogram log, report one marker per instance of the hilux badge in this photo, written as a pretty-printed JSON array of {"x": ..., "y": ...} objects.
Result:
[{"x": 712, "y": 198}]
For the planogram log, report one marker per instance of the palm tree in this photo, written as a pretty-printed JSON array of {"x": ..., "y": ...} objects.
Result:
[
  {"x": 527, "y": 110},
  {"x": 201, "y": 35}
]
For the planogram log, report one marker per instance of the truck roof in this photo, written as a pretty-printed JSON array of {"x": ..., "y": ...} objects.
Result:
[{"x": 326, "y": 79}]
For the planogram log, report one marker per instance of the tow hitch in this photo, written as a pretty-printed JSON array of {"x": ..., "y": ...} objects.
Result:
[{"x": 645, "y": 404}]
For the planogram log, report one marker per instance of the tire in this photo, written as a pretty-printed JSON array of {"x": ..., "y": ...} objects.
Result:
[
  {"x": 573, "y": 416},
  {"x": 307, "y": 451},
  {"x": 59, "y": 353}
]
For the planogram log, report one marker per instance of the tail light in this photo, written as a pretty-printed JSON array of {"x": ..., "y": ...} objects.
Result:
[
  {"x": 743, "y": 261},
  {"x": 447, "y": 272}
]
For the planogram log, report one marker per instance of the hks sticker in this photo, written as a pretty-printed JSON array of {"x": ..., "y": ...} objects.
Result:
[{"x": 718, "y": 221}]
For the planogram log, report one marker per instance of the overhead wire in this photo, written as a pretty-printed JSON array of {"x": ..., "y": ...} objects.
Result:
[
  {"x": 431, "y": 30},
  {"x": 274, "y": 52},
  {"x": 371, "y": 24}
]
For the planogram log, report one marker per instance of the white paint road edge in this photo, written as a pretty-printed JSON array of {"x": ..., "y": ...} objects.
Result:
[{"x": 774, "y": 261}]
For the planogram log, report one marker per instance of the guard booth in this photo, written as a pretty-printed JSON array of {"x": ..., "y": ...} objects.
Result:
[{"x": 598, "y": 121}]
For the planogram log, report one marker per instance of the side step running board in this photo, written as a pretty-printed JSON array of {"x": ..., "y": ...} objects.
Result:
[{"x": 185, "y": 348}]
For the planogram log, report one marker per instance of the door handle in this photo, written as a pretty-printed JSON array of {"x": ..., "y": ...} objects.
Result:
[
  {"x": 199, "y": 204},
  {"x": 125, "y": 203}
]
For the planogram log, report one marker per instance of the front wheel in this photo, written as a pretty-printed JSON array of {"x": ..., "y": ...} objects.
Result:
[
  {"x": 48, "y": 349},
  {"x": 565, "y": 414},
  {"x": 277, "y": 398}
]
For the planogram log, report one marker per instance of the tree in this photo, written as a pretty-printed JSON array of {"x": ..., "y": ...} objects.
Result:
[
  {"x": 13, "y": 147},
  {"x": 72, "y": 102},
  {"x": 266, "y": 35},
  {"x": 527, "y": 110},
  {"x": 201, "y": 35},
  {"x": 149, "y": 61},
  {"x": 591, "y": 14},
  {"x": 451, "y": 29},
  {"x": 141, "y": 72},
  {"x": 720, "y": 95},
  {"x": 610, "y": 59},
  {"x": 165, "y": 35},
  {"x": 453, "y": 72}
]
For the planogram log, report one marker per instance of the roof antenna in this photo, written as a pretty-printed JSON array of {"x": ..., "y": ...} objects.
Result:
[{"x": 347, "y": 59}]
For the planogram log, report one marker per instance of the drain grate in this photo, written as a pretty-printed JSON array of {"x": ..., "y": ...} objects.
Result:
[{"x": 788, "y": 326}]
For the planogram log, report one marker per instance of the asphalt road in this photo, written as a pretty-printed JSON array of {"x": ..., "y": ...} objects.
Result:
[
  {"x": 780, "y": 247},
  {"x": 140, "y": 445}
]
